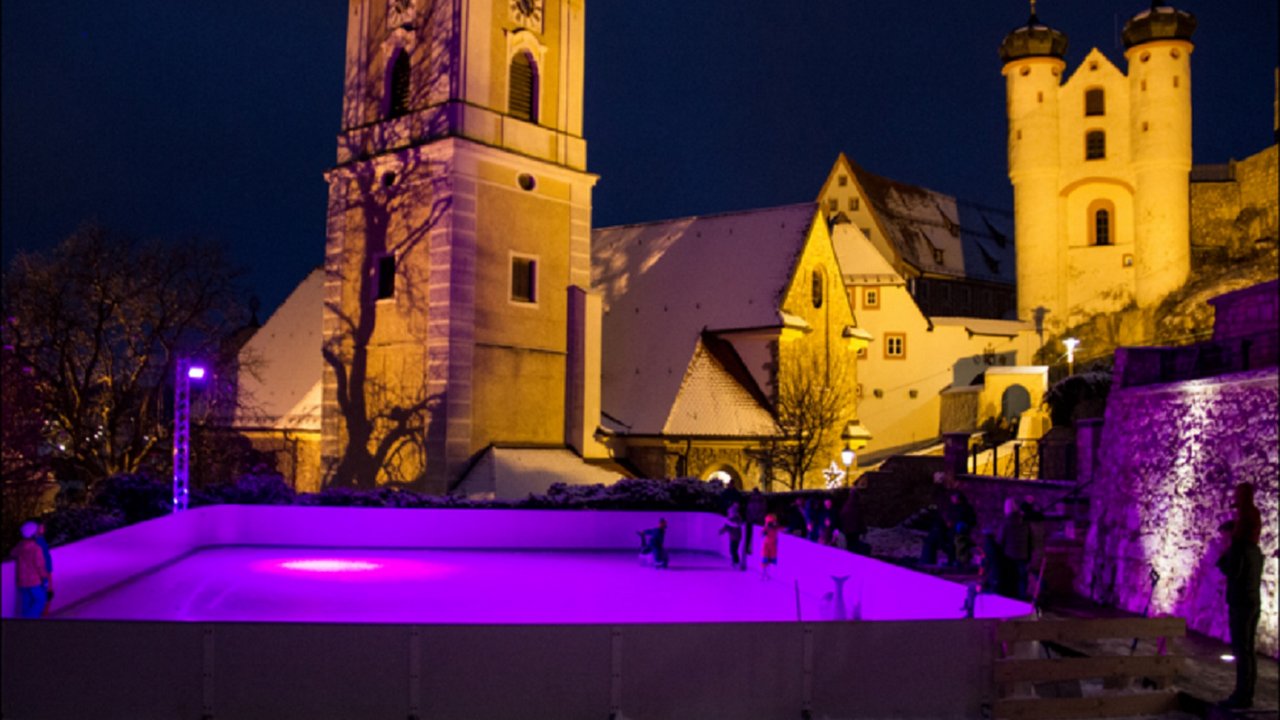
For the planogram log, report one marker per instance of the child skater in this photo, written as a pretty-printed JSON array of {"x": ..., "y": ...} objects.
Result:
[{"x": 769, "y": 554}]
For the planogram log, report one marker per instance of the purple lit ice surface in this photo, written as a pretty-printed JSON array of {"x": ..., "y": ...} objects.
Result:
[{"x": 344, "y": 565}]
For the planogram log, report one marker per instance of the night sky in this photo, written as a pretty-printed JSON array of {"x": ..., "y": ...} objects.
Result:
[{"x": 216, "y": 119}]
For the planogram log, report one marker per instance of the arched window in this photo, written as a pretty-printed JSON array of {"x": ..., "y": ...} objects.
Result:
[
  {"x": 819, "y": 284},
  {"x": 1102, "y": 227},
  {"x": 398, "y": 86},
  {"x": 522, "y": 88},
  {"x": 1102, "y": 223},
  {"x": 1095, "y": 102},
  {"x": 1095, "y": 145}
]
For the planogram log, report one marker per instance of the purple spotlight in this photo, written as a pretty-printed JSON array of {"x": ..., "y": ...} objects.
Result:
[
  {"x": 330, "y": 565},
  {"x": 195, "y": 372}
]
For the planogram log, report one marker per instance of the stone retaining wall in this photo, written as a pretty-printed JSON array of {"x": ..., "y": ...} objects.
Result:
[{"x": 1169, "y": 458}]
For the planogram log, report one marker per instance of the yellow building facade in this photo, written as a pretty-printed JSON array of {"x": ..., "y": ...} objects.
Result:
[
  {"x": 1100, "y": 167},
  {"x": 458, "y": 242}
]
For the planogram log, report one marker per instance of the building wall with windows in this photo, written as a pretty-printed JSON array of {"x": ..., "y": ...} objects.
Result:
[
  {"x": 914, "y": 357},
  {"x": 1100, "y": 169}
]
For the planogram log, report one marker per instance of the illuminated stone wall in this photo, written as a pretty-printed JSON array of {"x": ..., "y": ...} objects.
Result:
[
  {"x": 1230, "y": 215},
  {"x": 1169, "y": 458}
]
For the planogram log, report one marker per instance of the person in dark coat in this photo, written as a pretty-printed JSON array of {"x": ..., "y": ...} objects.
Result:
[
  {"x": 733, "y": 526},
  {"x": 1015, "y": 546},
  {"x": 1242, "y": 564},
  {"x": 853, "y": 522},
  {"x": 654, "y": 541},
  {"x": 757, "y": 509}
]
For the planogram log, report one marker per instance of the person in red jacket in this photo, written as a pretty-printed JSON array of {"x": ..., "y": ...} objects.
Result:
[{"x": 32, "y": 572}]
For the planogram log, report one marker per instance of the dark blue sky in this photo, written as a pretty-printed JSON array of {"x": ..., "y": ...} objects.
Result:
[{"x": 164, "y": 119}]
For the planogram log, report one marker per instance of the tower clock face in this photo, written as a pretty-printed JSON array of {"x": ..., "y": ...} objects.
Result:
[{"x": 527, "y": 13}]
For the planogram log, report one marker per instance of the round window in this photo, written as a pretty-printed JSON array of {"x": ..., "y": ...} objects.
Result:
[{"x": 526, "y": 181}]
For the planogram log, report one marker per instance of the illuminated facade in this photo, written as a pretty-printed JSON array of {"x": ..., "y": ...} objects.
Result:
[
  {"x": 1100, "y": 168},
  {"x": 458, "y": 250}
]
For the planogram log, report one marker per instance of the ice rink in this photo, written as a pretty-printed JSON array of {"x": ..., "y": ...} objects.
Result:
[{"x": 452, "y": 587}]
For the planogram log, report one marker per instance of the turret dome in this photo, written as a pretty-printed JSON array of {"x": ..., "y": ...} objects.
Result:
[
  {"x": 1161, "y": 22},
  {"x": 1035, "y": 39}
]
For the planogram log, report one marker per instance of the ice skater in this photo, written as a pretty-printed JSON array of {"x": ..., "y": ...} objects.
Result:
[
  {"x": 653, "y": 542},
  {"x": 769, "y": 553},
  {"x": 733, "y": 527}
]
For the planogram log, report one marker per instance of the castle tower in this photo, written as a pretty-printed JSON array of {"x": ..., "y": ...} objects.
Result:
[
  {"x": 458, "y": 240},
  {"x": 1158, "y": 50},
  {"x": 1032, "y": 57}
]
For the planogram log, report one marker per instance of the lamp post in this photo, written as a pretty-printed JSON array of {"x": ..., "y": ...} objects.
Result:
[
  {"x": 1072, "y": 344},
  {"x": 848, "y": 457},
  {"x": 184, "y": 373}
]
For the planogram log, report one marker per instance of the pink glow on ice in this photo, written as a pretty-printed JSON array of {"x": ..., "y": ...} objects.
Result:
[{"x": 329, "y": 565}]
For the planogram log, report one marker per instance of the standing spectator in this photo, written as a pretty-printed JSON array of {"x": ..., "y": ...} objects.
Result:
[
  {"x": 853, "y": 522},
  {"x": 769, "y": 553},
  {"x": 733, "y": 526},
  {"x": 798, "y": 518},
  {"x": 48, "y": 563},
  {"x": 1015, "y": 545},
  {"x": 1034, "y": 517},
  {"x": 32, "y": 573},
  {"x": 1242, "y": 564},
  {"x": 757, "y": 508}
]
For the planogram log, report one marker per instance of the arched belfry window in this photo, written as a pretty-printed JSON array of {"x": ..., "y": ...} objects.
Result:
[
  {"x": 1095, "y": 102},
  {"x": 522, "y": 88},
  {"x": 398, "y": 86},
  {"x": 1095, "y": 145}
]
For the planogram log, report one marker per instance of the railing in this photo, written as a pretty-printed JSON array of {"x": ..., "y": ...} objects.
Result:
[
  {"x": 1017, "y": 669},
  {"x": 1025, "y": 459}
]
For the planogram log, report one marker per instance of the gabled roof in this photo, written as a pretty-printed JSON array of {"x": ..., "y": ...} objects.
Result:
[
  {"x": 663, "y": 283},
  {"x": 281, "y": 365},
  {"x": 938, "y": 234},
  {"x": 718, "y": 396}
]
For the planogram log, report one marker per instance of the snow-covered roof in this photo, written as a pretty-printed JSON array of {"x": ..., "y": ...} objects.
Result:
[
  {"x": 663, "y": 283},
  {"x": 281, "y": 365},
  {"x": 938, "y": 234},
  {"x": 515, "y": 473},
  {"x": 718, "y": 396},
  {"x": 860, "y": 261}
]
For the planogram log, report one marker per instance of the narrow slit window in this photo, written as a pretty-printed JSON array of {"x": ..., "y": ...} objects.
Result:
[
  {"x": 524, "y": 280},
  {"x": 522, "y": 87},
  {"x": 819, "y": 282},
  {"x": 386, "y": 279}
]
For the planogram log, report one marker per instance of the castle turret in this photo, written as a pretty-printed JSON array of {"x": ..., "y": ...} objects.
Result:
[
  {"x": 1032, "y": 56},
  {"x": 1158, "y": 50}
]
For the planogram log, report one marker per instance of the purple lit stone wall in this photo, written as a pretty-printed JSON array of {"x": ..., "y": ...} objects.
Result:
[{"x": 1169, "y": 458}]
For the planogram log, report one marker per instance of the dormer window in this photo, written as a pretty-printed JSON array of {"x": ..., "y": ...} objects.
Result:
[{"x": 1095, "y": 102}]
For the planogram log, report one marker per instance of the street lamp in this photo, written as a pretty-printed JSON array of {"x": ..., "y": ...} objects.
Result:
[
  {"x": 184, "y": 373},
  {"x": 1072, "y": 344},
  {"x": 848, "y": 457}
]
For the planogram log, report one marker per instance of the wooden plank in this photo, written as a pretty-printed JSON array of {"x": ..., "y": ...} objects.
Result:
[
  {"x": 1086, "y": 707},
  {"x": 1090, "y": 629},
  {"x": 1056, "y": 669}
]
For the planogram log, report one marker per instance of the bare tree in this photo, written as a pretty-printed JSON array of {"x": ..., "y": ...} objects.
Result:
[
  {"x": 100, "y": 322},
  {"x": 815, "y": 400},
  {"x": 24, "y": 471}
]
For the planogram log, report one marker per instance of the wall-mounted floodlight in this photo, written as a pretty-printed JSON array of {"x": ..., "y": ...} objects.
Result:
[{"x": 1072, "y": 344}]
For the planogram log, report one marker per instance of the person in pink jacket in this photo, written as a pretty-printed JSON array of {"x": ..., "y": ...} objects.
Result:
[{"x": 32, "y": 572}]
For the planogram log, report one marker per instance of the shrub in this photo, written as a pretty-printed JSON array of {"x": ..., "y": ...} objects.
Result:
[
  {"x": 74, "y": 523},
  {"x": 253, "y": 489},
  {"x": 136, "y": 497}
]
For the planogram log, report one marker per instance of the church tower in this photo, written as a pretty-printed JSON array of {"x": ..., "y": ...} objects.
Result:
[
  {"x": 1099, "y": 164},
  {"x": 458, "y": 240}
]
